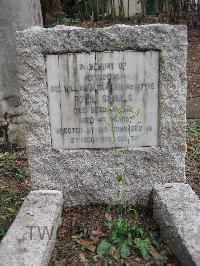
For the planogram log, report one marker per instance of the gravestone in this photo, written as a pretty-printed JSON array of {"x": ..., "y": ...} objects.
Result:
[
  {"x": 14, "y": 15},
  {"x": 86, "y": 91}
]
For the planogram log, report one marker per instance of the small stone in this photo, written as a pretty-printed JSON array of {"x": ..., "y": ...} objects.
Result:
[{"x": 29, "y": 213}]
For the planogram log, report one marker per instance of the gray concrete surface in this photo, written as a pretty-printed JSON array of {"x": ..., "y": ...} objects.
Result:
[
  {"x": 31, "y": 238},
  {"x": 177, "y": 212}
]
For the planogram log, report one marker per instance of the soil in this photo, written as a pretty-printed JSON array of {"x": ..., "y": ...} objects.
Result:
[
  {"x": 14, "y": 185},
  {"x": 193, "y": 64},
  {"x": 68, "y": 252},
  {"x": 193, "y": 154}
]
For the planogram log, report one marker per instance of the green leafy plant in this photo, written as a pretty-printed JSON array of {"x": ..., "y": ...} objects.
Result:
[
  {"x": 108, "y": 262},
  {"x": 161, "y": 261},
  {"x": 3, "y": 230},
  {"x": 9, "y": 206},
  {"x": 122, "y": 236},
  {"x": 115, "y": 113},
  {"x": 143, "y": 246},
  {"x": 62, "y": 18},
  {"x": 130, "y": 208},
  {"x": 193, "y": 126},
  {"x": 7, "y": 197},
  {"x": 19, "y": 173},
  {"x": 7, "y": 156},
  {"x": 85, "y": 231},
  {"x": 109, "y": 207},
  {"x": 103, "y": 248},
  {"x": 126, "y": 236},
  {"x": 11, "y": 167}
]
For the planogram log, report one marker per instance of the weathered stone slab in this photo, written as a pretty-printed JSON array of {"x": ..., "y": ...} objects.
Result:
[
  {"x": 177, "y": 212},
  {"x": 14, "y": 15},
  {"x": 82, "y": 86},
  {"x": 31, "y": 238},
  {"x": 89, "y": 175}
]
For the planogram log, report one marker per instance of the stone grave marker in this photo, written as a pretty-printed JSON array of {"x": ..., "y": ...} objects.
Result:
[{"x": 73, "y": 80}]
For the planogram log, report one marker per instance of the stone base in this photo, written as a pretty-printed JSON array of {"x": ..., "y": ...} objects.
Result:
[
  {"x": 177, "y": 212},
  {"x": 31, "y": 238}
]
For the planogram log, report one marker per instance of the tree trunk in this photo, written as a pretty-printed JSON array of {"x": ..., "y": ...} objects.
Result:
[{"x": 49, "y": 7}]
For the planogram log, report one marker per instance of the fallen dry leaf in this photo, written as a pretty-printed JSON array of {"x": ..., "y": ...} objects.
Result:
[
  {"x": 108, "y": 217},
  {"x": 86, "y": 244},
  {"x": 95, "y": 240},
  {"x": 82, "y": 257},
  {"x": 96, "y": 232},
  {"x": 190, "y": 149},
  {"x": 155, "y": 254}
]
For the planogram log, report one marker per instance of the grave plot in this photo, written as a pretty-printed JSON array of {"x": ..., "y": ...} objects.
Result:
[
  {"x": 105, "y": 123},
  {"x": 91, "y": 236}
]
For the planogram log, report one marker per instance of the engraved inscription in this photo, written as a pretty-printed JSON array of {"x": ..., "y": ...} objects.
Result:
[{"x": 81, "y": 88}]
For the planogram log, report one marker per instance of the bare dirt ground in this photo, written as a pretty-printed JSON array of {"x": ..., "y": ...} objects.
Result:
[
  {"x": 14, "y": 185},
  {"x": 193, "y": 64},
  {"x": 193, "y": 154},
  {"x": 71, "y": 250}
]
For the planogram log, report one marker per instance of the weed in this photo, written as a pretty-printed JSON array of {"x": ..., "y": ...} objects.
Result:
[
  {"x": 7, "y": 197},
  {"x": 103, "y": 248},
  {"x": 122, "y": 238},
  {"x": 84, "y": 231},
  {"x": 130, "y": 208},
  {"x": 115, "y": 113},
  {"x": 9, "y": 206},
  {"x": 3, "y": 230},
  {"x": 143, "y": 247},
  {"x": 193, "y": 126},
  {"x": 19, "y": 173},
  {"x": 62, "y": 18},
  {"x": 109, "y": 207},
  {"x": 10, "y": 167},
  {"x": 7, "y": 156},
  {"x": 161, "y": 261}
]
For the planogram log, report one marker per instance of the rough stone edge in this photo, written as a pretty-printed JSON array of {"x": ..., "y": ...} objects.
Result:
[
  {"x": 168, "y": 158},
  {"x": 177, "y": 212},
  {"x": 40, "y": 208}
]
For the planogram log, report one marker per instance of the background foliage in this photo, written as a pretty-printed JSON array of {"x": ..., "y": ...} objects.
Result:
[{"x": 73, "y": 11}]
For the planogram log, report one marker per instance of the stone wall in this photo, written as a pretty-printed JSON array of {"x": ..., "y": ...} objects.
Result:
[{"x": 14, "y": 15}]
